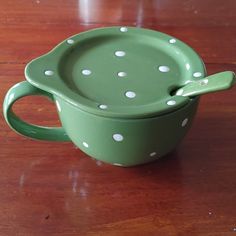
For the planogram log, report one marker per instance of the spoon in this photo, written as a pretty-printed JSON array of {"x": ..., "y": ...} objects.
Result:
[{"x": 220, "y": 81}]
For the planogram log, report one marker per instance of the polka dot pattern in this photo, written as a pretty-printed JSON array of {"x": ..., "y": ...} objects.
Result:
[
  {"x": 86, "y": 72},
  {"x": 122, "y": 74},
  {"x": 85, "y": 144},
  {"x": 164, "y": 69},
  {"x": 130, "y": 94},
  {"x": 197, "y": 74},
  {"x": 70, "y": 41},
  {"x": 171, "y": 102},
  {"x": 123, "y": 29},
  {"x": 118, "y": 137},
  {"x": 49, "y": 72},
  {"x": 103, "y": 106},
  {"x": 120, "y": 53},
  {"x": 172, "y": 41}
]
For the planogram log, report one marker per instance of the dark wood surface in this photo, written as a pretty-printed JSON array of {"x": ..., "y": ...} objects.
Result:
[{"x": 51, "y": 188}]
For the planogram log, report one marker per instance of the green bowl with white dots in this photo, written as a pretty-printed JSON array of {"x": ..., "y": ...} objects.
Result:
[{"x": 124, "y": 95}]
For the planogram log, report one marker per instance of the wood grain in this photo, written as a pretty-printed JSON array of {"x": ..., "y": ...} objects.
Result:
[{"x": 55, "y": 189}]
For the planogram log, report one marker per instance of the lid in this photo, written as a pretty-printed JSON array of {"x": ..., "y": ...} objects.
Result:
[{"x": 121, "y": 72}]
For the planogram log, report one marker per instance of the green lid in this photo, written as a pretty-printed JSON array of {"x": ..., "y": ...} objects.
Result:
[{"x": 121, "y": 72}]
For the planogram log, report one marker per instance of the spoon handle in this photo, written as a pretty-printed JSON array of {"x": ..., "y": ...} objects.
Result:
[{"x": 220, "y": 81}]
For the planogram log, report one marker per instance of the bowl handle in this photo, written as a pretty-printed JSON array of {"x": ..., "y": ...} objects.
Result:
[{"x": 18, "y": 91}]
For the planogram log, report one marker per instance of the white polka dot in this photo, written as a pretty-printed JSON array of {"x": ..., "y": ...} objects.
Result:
[
  {"x": 118, "y": 137},
  {"x": 164, "y": 69},
  {"x": 179, "y": 92},
  {"x": 184, "y": 122},
  {"x": 103, "y": 106},
  {"x": 197, "y": 74},
  {"x": 70, "y": 41},
  {"x": 86, "y": 72},
  {"x": 122, "y": 74},
  {"x": 123, "y": 29},
  {"x": 58, "y": 106},
  {"x": 130, "y": 94},
  {"x": 120, "y": 53},
  {"x": 172, "y": 41},
  {"x": 85, "y": 144},
  {"x": 152, "y": 154},
  {"x": 48, "y": 72},
  {"x": 171, "y": 102}
]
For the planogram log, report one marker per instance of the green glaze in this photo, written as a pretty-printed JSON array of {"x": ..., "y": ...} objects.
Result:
[
  {"x": 33, "y": 131},
  {"x": 115, "y": 92},
  {"x": 212, "y": 83},
  {"x": 142, "y": 138},
  {"x": 146, "y": 52}
]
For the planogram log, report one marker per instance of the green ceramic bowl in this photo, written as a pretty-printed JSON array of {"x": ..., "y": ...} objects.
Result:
[{"x": 122, "y": 94}]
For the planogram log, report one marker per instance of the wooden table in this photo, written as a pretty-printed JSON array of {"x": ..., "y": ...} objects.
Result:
[{"x": 49, "y": 188}]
